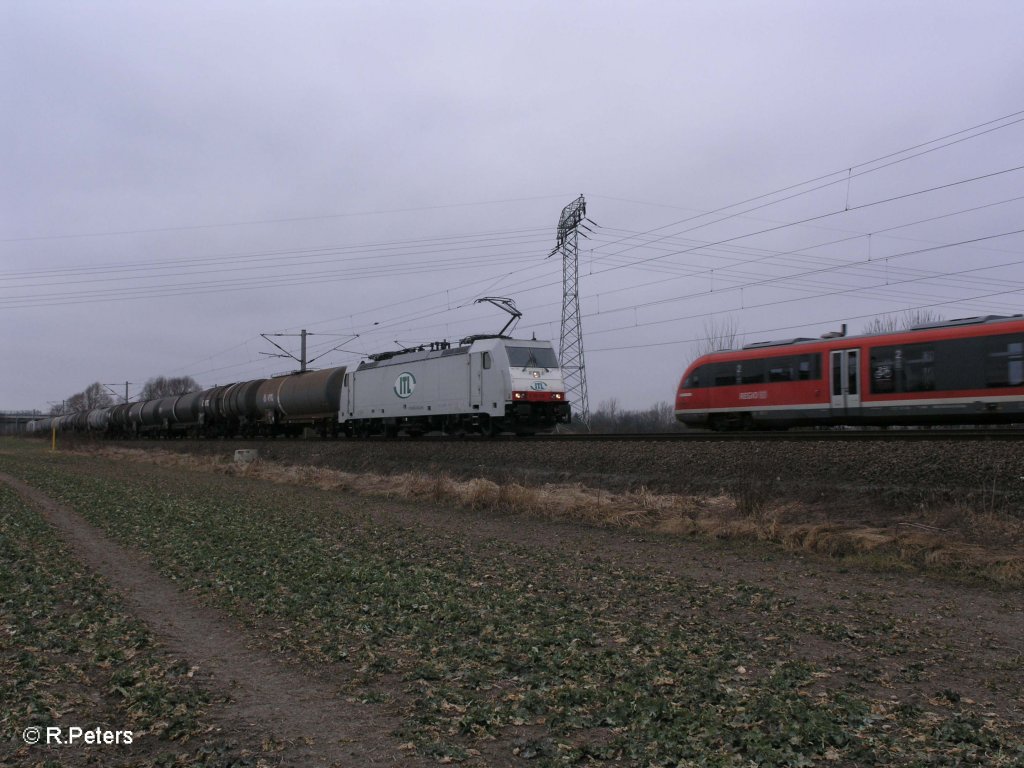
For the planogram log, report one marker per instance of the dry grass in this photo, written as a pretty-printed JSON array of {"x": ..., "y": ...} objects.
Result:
[{"x": 946, "y": 544}]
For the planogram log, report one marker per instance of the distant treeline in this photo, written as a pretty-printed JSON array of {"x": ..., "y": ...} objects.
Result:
[{"x": 609, "y": 417}]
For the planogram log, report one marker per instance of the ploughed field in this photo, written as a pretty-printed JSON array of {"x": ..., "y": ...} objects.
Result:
[
  {"x": 444, "y": 602},
  {"x": 872, "y": 482}
]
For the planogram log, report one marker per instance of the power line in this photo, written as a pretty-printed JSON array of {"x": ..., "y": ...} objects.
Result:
[
  {"x": 807, "y": 220},
  {"x": 834, "y": 293},
  {"x": 848, "y": 171},
  {"x": 188, "y": 227},
  {"x": 456, "y": 242},
  {"x": 815, "y": 323}
]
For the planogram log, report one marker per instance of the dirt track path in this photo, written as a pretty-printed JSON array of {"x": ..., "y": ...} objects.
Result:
[{"x": 267, "y": 697}]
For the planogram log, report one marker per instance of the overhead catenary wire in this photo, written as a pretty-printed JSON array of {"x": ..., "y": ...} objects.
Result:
[
  {"x": 848, "y": 171},
  {"x": 293, "y": 219},
  {"x": 844, "y": 291}
]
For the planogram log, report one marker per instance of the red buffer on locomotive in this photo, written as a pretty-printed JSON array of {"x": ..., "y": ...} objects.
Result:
[{"x": 967, "y": 371}]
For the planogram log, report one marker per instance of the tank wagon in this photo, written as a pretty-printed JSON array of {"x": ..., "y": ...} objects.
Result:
[
  {"x": 966, "y": 371},
  {"x": 487, "y": 384}
]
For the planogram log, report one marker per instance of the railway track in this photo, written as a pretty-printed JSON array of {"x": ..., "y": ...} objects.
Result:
[
  {"x": 807, "y": 435},
  {"x": 690, "y": 436}
]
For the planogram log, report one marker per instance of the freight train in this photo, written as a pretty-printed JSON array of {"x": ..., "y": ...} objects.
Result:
[
  {"x": 483, "y": 384},
  {"x": 966, "y": 371}
]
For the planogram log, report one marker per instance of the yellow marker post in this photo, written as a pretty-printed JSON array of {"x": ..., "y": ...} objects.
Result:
[{"x": 53, "y": 442}]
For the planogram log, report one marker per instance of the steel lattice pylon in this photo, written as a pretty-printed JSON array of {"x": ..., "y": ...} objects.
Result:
[{"x": 570, "y": 348}]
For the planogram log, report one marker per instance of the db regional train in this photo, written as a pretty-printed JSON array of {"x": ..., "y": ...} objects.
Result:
[
  {"x": 483, "y": 384},
  {"x": 966, "y": 371}
]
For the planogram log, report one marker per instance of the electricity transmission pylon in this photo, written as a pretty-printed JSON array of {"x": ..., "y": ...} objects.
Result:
[{"x": 570, "y": 348}]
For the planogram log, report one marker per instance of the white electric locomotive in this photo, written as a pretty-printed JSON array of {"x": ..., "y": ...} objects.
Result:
[{"x": 486, "y": 384}]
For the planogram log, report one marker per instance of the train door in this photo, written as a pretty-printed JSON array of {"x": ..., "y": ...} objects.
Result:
[
  {"x": 476, "y": 378},
  {"x": 345, "y": 404},
  {"x": 845, "y": 374}
]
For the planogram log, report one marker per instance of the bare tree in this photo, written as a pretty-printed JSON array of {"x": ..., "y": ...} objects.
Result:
[
  {"x": 164, "y": 386},
  {"x": 93, "y": 396},
  {"x": 719, "y": 333},
  {"x": 96, "y": 396},
  {"x": 914, "y": 317},
  {"x": 910, "y": 318},
  {"x": 882, "y": 324},
  {"x": 609, "y": 418}
]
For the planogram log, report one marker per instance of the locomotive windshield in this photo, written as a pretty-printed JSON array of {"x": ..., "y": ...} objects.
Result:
[{"x": 532, "y": 357}]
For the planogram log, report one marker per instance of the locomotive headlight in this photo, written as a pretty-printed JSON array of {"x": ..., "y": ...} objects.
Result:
[
  {"x": 557, "y": 395},
  {"x": 518, "y": 395},
  {"x": 536, "y": 374}
]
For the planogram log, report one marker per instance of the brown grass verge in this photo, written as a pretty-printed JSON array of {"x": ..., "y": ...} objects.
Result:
[{"x": 793, "y": 525}]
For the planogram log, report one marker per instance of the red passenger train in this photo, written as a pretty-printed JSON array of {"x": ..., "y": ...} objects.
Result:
[{"x": 967, "y": 371}]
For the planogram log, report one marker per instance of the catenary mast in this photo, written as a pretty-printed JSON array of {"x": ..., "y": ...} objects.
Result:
[{"x": 570, "y": 348}]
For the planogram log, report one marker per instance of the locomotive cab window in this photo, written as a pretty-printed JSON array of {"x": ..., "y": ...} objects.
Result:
[
  {"x": 532, "y": 357},
  {"x": 693, "y": 381},
  {"x": 486, "y": 360}
]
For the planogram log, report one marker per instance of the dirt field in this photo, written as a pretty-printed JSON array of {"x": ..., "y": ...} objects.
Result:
[{"x": 340, "y": 627}]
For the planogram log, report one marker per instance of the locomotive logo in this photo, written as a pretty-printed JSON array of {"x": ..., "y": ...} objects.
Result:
[
  {"x": 405, "y": 384},
  {"x": 539, "y": 385}
]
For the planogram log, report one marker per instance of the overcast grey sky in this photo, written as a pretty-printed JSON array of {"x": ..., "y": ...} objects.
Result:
[{"x": 179, "y": 177}]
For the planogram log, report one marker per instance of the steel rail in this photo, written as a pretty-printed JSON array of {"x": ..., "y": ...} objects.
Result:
[{"x": 796, "y": 435}]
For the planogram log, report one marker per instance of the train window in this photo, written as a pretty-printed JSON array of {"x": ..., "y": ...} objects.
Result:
[
  {"x": 809, "y": 367},
  {"x": 910, "y": 368},
  {"x": 918, "y": 368},
  {"x": 750, "y": 372},
  {"x": 757, "y": 371},
  {"x": 882, "y": 371},
  {"x": 726, "y": 374},
  {"x": 532, "y": 357},
  {"x": 837, "y": 373},
  {"x": 1004, "y": 366},
  {"x": 781, "y": 368},
  {"x": 485, "y": 360},
  {"x": 694, "y": 379},
  {"x": 851, "y": 372}
]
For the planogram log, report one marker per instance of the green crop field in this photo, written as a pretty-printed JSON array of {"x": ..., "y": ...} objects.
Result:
[{"x": 490, "y": 651}]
